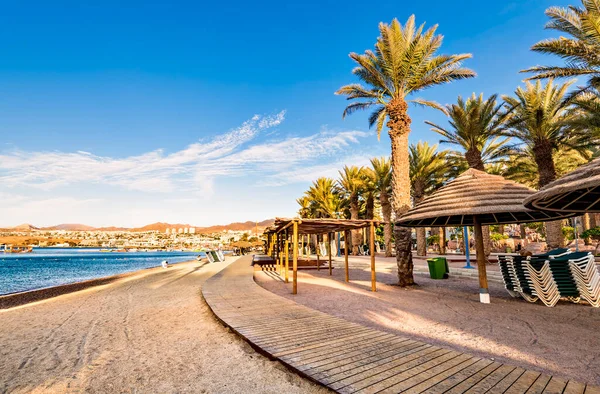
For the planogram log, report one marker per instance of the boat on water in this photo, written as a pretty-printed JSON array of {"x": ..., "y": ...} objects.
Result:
[{"x": 16, "y": 249}]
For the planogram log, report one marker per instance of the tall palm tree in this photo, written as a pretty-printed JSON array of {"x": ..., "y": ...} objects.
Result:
[
  {"x": 381, "y": 169},
  {"x": 428, "y": 169},
  {"x": 580, "y": 49},
  {"x": 540, "y": 118},
  {"x": 404, "y": 62},
  {"x": 352, "y": 183},
  {"x": 475, "y": 125}
]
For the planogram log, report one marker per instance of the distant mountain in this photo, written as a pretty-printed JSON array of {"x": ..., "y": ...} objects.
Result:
[
  {"x": 238, "y": 226},
  {"x": 162, "y": 227},
  {"x": 25, "y": 227},
  {"x": 159, "y": 226},
  {"x": 70, "y": 227}
]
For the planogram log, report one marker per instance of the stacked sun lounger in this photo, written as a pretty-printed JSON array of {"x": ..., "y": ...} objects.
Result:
[{"x": 550, "y": 277}]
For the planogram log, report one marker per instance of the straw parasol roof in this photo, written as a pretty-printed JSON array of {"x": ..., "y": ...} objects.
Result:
[
  {"x": 242, "y": 244},
  {"x": 578, "y": 191},
  {"x": 493, "y": 199}
]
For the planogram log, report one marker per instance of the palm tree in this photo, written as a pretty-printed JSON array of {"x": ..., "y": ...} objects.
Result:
[
  {"x": 305, "y": 210},
  {"x": 428, "y": 169},
  {"x": 475, "y": 125},
  {"x": 581, "y": 51},
  {"x": 404, "y": 62},
  {"x": 352, "y": 184},
  {"x": 540, "y": 118},
  {"x": 326, "y": 200},
  {"x": 382, "y": 175}
]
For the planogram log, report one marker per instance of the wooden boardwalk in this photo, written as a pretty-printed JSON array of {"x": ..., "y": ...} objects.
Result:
[{"x": 351, "y": 358}]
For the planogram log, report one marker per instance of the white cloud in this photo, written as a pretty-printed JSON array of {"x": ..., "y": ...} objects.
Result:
[{"x": 193, "y": 169}]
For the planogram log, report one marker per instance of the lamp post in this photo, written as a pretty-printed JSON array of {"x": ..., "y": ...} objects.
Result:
[{"x": 466, "y": 238}]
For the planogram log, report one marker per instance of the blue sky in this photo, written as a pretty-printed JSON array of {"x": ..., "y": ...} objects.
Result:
[{"x": 126, "y": 113}]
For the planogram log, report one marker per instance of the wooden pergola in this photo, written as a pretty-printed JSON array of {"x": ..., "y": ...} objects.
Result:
[{"x": 278, "y": 242}]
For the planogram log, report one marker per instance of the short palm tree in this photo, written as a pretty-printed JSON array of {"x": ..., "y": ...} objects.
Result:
[
  {"x": 428, "y": 170},
  {"x": 305, "y": 210},
  {"x": 325, "y": 198},
  {"x": 540, "y": 117},
  {"x": 475, "y": 125},
  {"x": 404, "y": 62},
  {"x": 580, "y": 49},
  {"x": 352, "y": 184},
  {"x": 381, "y": 169}
]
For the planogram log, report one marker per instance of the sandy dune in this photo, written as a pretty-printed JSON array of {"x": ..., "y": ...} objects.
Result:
[{"x": 150, "y": 332}]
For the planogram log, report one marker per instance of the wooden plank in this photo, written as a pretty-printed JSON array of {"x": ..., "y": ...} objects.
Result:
[
  {"x": 327, "y": 363},
  {"x": 435, "y": 377},
  {"x": 369, "y": 374},
  {"x": 395, "y": 375},
  {"x": 428, "y": 377},
  {"x": 589, "y": 389},
  {"x": 522, "y": 384},
  {"x": 465, "y": 375},
  {"x": 343, "y": 375},
  {"x": 491, "y": 380},
  {"x": 314, "y": 345},
  {"x": 318, "y": 347},
  {"x": 555, "y": 386},
  {"x": 574, "y": 388},
  {"x": 506, "y": 382},
  {"x": 539, "y": 385}
]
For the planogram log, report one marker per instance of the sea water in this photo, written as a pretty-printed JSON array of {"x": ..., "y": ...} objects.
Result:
[{"x": 49, "y": 267}]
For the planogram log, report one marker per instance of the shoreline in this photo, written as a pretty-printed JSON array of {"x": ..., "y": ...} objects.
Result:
[{"x": 12, "y": 300}]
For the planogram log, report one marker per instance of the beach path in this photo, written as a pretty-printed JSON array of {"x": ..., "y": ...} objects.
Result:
[{"x": 148, "y": 332}]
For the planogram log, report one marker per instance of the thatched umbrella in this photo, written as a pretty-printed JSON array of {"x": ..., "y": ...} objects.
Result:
[
  {"x": 476, "y": 198},
  {"x": 578, "y": 191}
]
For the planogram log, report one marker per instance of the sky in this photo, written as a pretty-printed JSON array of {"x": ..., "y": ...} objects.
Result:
[{"x": 127, "y": 113}]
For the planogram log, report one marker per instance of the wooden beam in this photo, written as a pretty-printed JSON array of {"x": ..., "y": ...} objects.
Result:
[
  {"x": 287, "y": 259},
  {"x": 372, "y": 250},
  {"x": 318, "y": 254},
  {"x": 295, "y": 265},
  {"x": 484, "y": 294},
  {"x": 346, "y": 236},
  {"x": 329, "y": 250}
]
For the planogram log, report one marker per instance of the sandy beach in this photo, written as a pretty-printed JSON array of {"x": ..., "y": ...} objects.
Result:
[
  {"x": 561, "y": 341},
  {"x": 149, "y": 332}
]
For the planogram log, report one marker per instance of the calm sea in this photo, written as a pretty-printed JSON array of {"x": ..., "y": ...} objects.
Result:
[{"x": 52, "y": 267}]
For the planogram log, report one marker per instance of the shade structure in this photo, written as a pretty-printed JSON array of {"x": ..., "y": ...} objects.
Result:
[
  {"x": 493, "y": 199},
  {"x": 476, "y": 198},
  {"x": 578, "y": 191},
  {"x": 321, "y": 226}
]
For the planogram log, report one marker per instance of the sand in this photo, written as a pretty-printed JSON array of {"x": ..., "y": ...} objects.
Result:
[
  {"x": 562, "y": 341},
  {"x": 146, "y": 333}
]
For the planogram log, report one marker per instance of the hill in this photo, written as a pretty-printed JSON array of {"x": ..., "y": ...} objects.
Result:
[
  {"x": 70, "y": 227},
  {"x": 159, "y": 226},
  {"x": 237, "y": 226},
  {"x": 25, "y": 227}
]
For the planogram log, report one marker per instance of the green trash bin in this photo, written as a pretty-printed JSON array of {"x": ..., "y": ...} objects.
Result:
[{"x": 438, "y": 268}]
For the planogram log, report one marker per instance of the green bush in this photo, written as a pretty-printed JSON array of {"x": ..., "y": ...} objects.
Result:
[
  {"x": 433, "y": 239},
  {"x": 593, "y": 233},
  {"x": 568, "y": 233},
  {"x": 498, "y": 237}
]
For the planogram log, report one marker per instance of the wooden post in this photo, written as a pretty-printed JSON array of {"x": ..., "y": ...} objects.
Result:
[
  {"x": 318, "y": 254},
  {"x": 282, "y": 253},
  {"x": 295, "y": 265},
  {"x": 277, "y": 250},
  {"x": 372, "y": 250},
  {"x": 329, "y": 250},
  {"x": 346, "y": 236},
  {"x": 484, "y": 294},
  {"x": 287, "y": 259}
]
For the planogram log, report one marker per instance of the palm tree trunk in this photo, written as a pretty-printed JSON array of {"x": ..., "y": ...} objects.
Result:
[
  {"x": 593, "y": 222},
  {"x": 398, "y": 129},
  {"x": 370, "y": 212},
  {"x": 442, "y": 234},
  {"x": 501, "y": 229},
  {"x": 421, "y": 241},
  {"x": 523, "y": 234},
  {"x": 386, "y": 209},
  {"x": 585, "y": 221},
  {"x": 542, "y": 154}
]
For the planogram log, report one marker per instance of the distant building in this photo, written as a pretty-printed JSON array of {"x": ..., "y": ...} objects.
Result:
[
  {"x": 180, "y": 231},
  {"x": 168, "y": 231},
  {"x": 186, "y": 230},
  {"x": 192, "y": 230}
]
